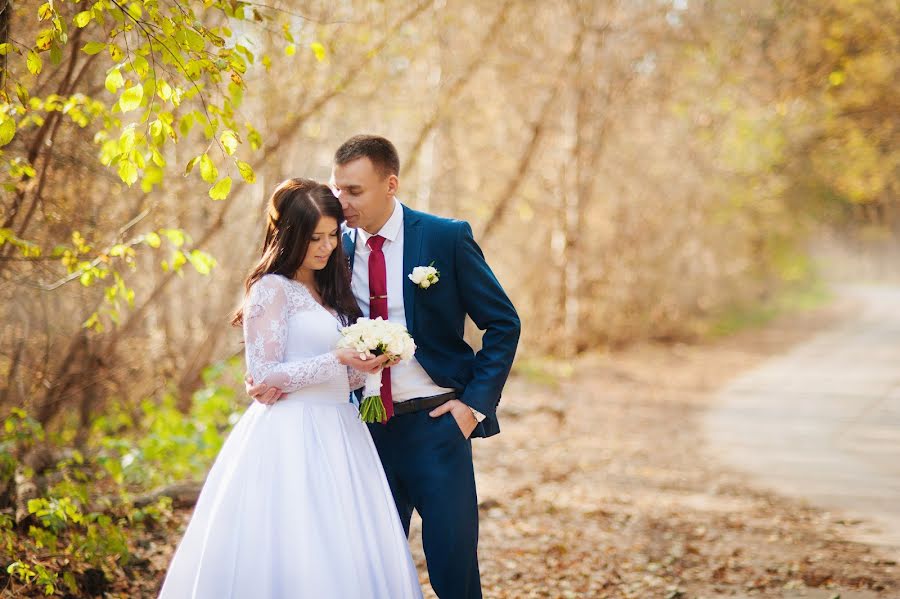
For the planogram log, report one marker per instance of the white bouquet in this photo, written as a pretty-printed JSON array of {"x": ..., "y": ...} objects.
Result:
[{"x": 373, "y": 338}]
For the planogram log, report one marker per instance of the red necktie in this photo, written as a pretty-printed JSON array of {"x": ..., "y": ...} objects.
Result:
[{"x": 378, "y": 306}]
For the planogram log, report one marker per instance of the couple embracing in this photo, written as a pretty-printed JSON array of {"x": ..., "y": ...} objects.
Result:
[{"x": 303, "y": 500}]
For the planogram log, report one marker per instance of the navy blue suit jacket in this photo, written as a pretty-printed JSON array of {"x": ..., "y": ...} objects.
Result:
[{"x": 436, "y": 316}]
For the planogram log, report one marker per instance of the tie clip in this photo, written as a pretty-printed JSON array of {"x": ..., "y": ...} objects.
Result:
[{"x": 373, "y": 297}]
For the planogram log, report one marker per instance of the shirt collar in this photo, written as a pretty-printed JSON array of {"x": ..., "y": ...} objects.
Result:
[{"x": 391, "y": 229}]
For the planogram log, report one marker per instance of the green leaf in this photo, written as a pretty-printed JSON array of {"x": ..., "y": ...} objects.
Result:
[
  {"x": 246, "y": 172},
  {"x": 131, "y": 98},
  {"x": 83, "y": 18},
  {"x": 34, "y": 62},
  {"x": 220, "y": 190},
  {"x": 114, "y": 81},
  {"x": 93, "y": 48},
  {"x": 128, "y": 172},
  {"x": 7, "y": 129},
  {"x": 319, "y": 50},
  {"x": 229, "y": 141},
  {"x": 208, "y": 170}
]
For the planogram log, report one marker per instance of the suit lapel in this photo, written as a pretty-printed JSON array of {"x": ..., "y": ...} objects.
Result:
[
  {"x": 349, "y": 241},
  {"x": 412, "y": 245}
]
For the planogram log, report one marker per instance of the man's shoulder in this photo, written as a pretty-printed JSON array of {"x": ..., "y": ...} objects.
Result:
[{"x": 433, "y": 220}]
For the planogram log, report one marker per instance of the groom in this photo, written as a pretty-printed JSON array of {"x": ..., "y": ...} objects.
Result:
[{"x": 447, "y": 393}]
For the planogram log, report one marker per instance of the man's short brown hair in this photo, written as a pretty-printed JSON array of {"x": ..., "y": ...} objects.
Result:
[{"x": 379, "y": 150}]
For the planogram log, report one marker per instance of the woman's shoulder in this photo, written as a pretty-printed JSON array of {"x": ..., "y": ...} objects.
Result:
[
  {"x": 272, "y": 280},
  {"x": 271, "y": 287},
  {"x": 269, "y": 282},
  {"x": 267, "y": 288}
]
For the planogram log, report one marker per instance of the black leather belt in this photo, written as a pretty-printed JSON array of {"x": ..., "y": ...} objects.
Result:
[{"x": 422, "y": 403}]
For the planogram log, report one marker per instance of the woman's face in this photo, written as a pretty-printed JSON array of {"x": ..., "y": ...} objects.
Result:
[{"x": 324, "y": 239}]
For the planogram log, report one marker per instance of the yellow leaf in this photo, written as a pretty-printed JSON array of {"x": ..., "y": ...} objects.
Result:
[
  {"x": 246, "y": 172},
  {"x": 83, "y": 18},
  {"x": 115, "y": 52},
  {"x": 190, "y": 165},
  {"x": 22, "y": 93},
  {"x": 44, "y": 39},
  {"x": 152, "y": 239},
  {"x": 128, "y": 172},
  {"x": 220, "y": 190},
  {"x": 45, "y": 11},
  {"x": 114, "y": 81},
  {"x": 229, "y": 141},
  {"x": 93, "y": 47},
  {"x": 164, "y": 90},
  {"x": 7, "y": 129},
  {"x": 290, "y": 50},
  {"x": 319, "y": 50},
  {"x": 131, "y": 98},
  {"x": 208, "y": 170},
  {"x": 33, "y": 62}
]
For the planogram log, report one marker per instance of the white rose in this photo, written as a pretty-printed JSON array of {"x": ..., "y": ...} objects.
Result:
[
  {"x": 418, "y": 275},
  {"x": 395, "y": 347}
]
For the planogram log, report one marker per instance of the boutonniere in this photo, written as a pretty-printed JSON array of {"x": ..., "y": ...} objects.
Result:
[{"x": 425, "y": 276}]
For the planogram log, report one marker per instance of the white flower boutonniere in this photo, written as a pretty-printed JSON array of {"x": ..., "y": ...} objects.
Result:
[{"x": 425, "y": 276}]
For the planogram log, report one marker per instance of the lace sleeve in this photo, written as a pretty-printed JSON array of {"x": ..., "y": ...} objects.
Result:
[
  {"x": 357, "y": 378},
  {"x": 266, "y": 313}
]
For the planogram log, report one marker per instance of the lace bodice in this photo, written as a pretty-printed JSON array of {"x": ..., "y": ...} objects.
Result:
[{"x": 285, "y": 356}]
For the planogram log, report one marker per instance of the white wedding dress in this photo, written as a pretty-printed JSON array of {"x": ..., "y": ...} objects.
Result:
[{"x": 296, "y": 503}]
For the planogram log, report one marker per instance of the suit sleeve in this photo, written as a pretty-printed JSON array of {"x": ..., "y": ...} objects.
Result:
[{"x": 492, "y": 311}]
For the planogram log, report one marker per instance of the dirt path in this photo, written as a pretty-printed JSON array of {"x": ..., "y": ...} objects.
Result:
[
  {"x": 603, "y": 486},
  {"x": 822, "y": 422}
]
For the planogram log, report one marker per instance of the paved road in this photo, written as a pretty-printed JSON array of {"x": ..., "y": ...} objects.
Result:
[{"x": 822, "y": 422}]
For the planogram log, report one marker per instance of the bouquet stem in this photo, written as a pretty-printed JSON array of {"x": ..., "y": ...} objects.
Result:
[{"x": 371, "y": 409}]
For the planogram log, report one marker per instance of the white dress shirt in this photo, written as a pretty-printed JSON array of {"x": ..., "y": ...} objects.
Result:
[{"x": 408, "y": 379}]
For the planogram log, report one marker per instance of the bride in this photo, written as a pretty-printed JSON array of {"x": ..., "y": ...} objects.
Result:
[{"x": 297, "y": 504}]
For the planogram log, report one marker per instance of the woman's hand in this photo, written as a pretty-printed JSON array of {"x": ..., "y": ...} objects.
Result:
[
  {"x": 262, "y": 393},
  {"x": 351, "y": 358}
]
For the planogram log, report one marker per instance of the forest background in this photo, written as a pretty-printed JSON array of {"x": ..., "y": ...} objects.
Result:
[{"x": 664, "y": 170}]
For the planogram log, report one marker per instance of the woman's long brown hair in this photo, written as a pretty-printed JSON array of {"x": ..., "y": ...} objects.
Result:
[{"x": 294, "y": 212}]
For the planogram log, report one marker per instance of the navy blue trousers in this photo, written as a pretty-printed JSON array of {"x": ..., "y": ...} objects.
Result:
[{"x": 428, "y": 463}]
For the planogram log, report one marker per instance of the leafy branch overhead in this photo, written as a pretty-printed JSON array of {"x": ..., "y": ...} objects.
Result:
[{"x": 171, "y": 71}]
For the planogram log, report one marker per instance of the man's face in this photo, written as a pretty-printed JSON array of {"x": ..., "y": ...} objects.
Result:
[{"x": 366, "y": 197}]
